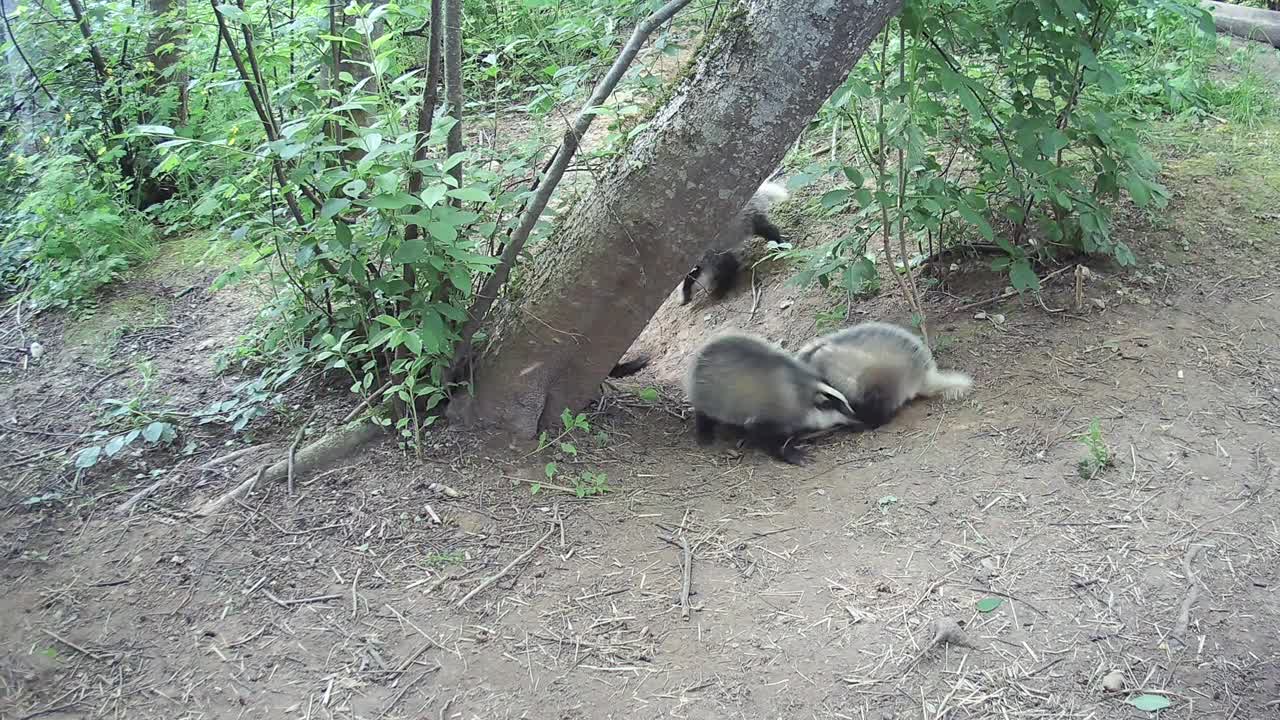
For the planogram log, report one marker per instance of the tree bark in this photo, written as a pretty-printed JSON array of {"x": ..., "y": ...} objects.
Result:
[
  {"x": 663, "y": 203},
  {"x": 1246, "y": 22},
  {"x": 165, "y": 33},
  {"x": 453, "y": 79}
]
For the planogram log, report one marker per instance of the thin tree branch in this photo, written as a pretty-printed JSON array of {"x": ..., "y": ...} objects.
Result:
[{"x": 560, "y": 161}]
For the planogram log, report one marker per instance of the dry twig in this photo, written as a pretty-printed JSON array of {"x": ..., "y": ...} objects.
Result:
[{"x": 498, "y": 575}]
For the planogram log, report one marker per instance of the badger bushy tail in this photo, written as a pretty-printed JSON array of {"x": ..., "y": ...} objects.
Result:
[
  {"x": 769, "y": 194},
  {"x": 947, "y": 383}
]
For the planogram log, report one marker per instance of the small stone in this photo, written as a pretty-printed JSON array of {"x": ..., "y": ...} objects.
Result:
[
  {"x": 1113, "y": 681},
  {"x": 36, "y": 350}
]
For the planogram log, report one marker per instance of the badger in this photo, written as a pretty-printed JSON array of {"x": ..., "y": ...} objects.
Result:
[
  {"x": 718, "y": 270},
  {"x": 880, "y": 367},
  {"x": 755, "y": 387},
  {"x": 629, "y": 368}
]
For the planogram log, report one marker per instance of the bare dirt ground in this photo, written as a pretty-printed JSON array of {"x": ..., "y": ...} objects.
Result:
[{"x": 813, "y": 592}]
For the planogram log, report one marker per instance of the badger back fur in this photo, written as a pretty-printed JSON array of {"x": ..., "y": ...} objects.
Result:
[
  {"x": 880, "y": 367},
  {"x": 718, "y": 269},
  {"x": 750, "y": 384}
]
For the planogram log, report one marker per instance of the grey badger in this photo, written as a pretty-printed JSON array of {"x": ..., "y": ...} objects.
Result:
[
  {"x": 718, "y": 270},
  {"x": 749, "y": 384},
  {"x": 880, "y": 367}
]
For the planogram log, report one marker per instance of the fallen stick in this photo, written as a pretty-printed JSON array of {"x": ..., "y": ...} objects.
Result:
[
  {"x": 687, "y": 577},
  {"x": 293, "y": 451},
  {"x": 128, "y": 505},
  {"x": 299, "y": 601},
  {"x": 495, "y": 577},
  {"x": 1189, "y": 599},
  {"x": 229, "y": 457},
  {"x": 326, "y": 451}
]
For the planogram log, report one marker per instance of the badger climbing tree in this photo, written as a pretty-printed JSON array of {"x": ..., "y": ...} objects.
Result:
[{"x": 727, "y": 124}]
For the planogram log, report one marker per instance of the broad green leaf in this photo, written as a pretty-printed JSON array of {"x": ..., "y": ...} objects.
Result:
[
  {"x": 1022, "y": 276},
  {"x": 1149, "y": 702},
  {"x": 88, "y": 457},
  {"x": 443, "y": 231},
  {"x": 342, "y": 233},
  {"x": 986, "y": 605},
  {"x": 550, "y": 470},
  {"x": 414, "y": 342},
  {"x": 392, "y": 201},
  {"x": 231, "y": 12},
  {"x": 114, "y": 446},
  {"x": 153, "y": 432},
  {"x": 410, "y": 251},
  {"x": 976, "y": 220},
  {"x": 835, "y": 198},
  {"x": 648, "y": 394},
  {"x": 333, "y": 206},
  {"x": 388, "y": 321},
  {"x": 471, "y": 194},
  {"x": 155, "y": 130},
  {"x": 433, "y": 195},
  {"x": 855, "y": 177}
]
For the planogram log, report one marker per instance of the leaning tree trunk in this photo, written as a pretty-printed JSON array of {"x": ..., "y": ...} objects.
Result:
[{"x": 662, "y": 204}]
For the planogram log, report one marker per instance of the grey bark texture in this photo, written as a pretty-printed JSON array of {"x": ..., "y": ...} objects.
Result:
[
  {"x": 167, "y": 32},
  {"x": 727, "y": 125},
  {"x": 1246, "y": 22},
  {"x": 453, "y": 79}
]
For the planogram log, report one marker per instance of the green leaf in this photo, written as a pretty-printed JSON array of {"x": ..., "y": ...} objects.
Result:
[
  {"x": 392, "y": 201},
  {"x": 550, "y": 470},
  {"x": 568, "y": 448},
  {"x": 443, "y": 231},
  {"x": 153, "y": 432},
  {"x": 114, "y": 446},
  {"x": 231, "y": 12},
  {"x": 433, "y": 195},
  {"x": 410, "y": 251},
  {"x": 413, "y": 341},
  {"x": 1150, "y": 703},
  {"x": 155, "y": 130},
  {"x": 986, "y": 605},
  {"x": 855, "y": 177},
  {"x": 973, "y": 218},
  {"x": 333, "y": 206},
  {"x": 342, "y": 233},
  {"x": 388, "y": 321},
  {"x": 835, "y": 198},
  {"x": 88, "y": 457},
  {"x": 648, "y": 394},
  {"x": 1022, "y": 276},
  {"x": 470, "y": 194}
]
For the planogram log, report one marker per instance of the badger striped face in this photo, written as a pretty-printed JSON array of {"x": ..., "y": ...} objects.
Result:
[{"x": 830, "y": 409}]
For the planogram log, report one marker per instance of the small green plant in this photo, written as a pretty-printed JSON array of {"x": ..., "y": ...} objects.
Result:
[
  {"x": 445, "y": 559},
  {"x": 586, "y": 483},
  {"x": 1099, "y": 457},
  {"x": 128, "y": 420}
]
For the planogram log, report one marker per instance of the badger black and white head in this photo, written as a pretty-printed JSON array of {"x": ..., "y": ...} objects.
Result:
[
  {"x": 718, "y": 269},
  {"x": 750, "y": 384},
  {"x": 880, "y": 367}
]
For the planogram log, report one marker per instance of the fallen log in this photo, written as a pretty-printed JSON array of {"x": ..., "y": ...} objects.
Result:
[{"x": 1245, "y": 22}]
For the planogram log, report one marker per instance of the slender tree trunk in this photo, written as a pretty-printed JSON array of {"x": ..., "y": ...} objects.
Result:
[
  {"x": 453, "y": 78},
  {"x": 661, "y": 205},
  {"x": 164, "y": 61}
]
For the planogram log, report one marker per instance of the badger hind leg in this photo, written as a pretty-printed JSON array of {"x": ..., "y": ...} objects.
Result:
[
  {"x": 761, "y": 226},
  {"x": 947, "y": 383},
  {"x": 704, "y": 428},
  {"x": 686, "y": 287},
  {"x": 723, "y": 277}
]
